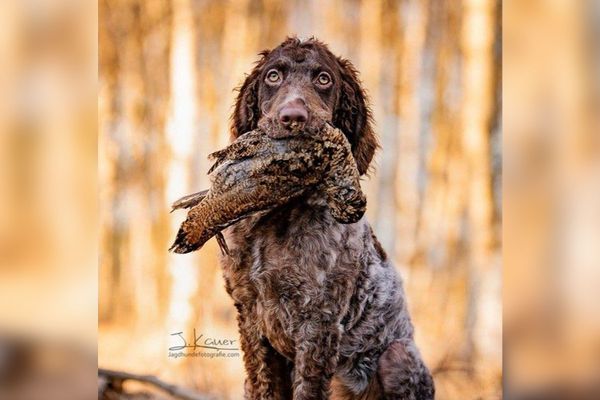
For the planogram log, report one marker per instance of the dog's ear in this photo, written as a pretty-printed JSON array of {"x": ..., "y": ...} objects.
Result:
[
  {"x": 353, "y": 116},
  {"x": 247, "y": 109}
]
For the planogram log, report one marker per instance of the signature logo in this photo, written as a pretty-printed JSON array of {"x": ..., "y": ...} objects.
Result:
[{"x": 203, "y": 342}]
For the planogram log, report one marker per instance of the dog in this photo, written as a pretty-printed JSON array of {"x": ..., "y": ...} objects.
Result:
[{"x": 320, "y": 308}]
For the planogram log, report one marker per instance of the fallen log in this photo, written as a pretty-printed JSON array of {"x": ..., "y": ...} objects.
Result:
[{"x": 114, "y": 380}]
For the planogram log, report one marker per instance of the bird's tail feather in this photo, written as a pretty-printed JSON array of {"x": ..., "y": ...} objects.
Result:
[{"x": 189, "y": 201}]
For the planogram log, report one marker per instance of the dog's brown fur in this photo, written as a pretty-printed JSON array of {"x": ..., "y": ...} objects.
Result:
[{"x": 321, "y": 310}]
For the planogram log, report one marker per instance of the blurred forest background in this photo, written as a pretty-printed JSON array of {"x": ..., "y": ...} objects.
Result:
[{"x": 167, "y": 71}]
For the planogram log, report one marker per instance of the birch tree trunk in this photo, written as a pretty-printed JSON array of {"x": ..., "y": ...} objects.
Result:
[{"x": 484, "y": 312}]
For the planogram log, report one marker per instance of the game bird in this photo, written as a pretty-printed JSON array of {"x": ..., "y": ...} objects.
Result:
[{"x": 263, "y": 169}]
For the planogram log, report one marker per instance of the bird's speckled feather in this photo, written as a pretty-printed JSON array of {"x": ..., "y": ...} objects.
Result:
[{"x": 260, "y": 171}]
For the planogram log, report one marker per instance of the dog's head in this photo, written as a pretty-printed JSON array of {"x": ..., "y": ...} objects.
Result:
[{"x": 301, "y": 85}]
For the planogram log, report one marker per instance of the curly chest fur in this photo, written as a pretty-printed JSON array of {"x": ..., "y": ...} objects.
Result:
[{"x": 297, "y": 264}]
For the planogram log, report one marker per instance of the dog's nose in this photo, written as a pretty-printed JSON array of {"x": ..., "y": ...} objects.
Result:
[{"x": 293, "y": 114}]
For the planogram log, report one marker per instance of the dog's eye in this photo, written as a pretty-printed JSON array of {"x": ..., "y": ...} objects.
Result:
[
  {"x": 273, "y": 76},
  {"x": 324, "y": 79}
]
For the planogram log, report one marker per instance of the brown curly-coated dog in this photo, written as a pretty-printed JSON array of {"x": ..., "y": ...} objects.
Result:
[{"x": 321, "y": 309}]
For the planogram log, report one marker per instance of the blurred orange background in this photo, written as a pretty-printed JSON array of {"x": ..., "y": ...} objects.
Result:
[
  {"x": 432, "y": 70},
  {"x": 48, "y": 200},
  {"x": 551, "y": 70}
]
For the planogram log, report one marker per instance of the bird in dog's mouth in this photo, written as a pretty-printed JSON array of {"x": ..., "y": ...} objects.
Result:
[{"x": 266, "y": 168}]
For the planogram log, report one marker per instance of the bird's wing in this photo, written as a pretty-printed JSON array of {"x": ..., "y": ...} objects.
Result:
[{"x": 248, "y": 145}]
